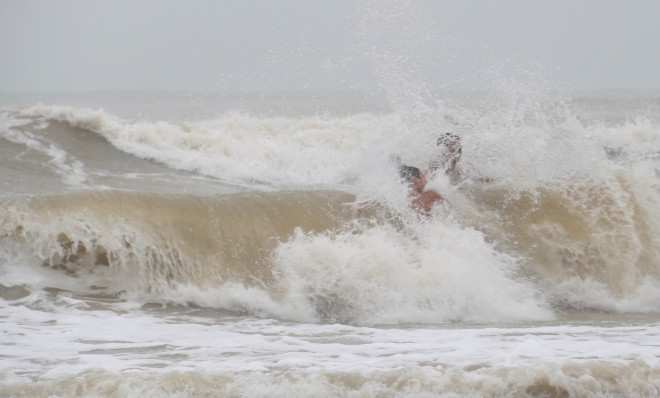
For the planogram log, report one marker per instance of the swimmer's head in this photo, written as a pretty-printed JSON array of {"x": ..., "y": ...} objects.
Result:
[
  {"x": 447, "y": 138},
  {"x": 408, "y": 172},
  {"x": 452, "y": 149},
  {"x": 413, "y": 176}
]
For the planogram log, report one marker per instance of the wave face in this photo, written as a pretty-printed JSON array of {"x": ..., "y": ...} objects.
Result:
[
  {"x": 290, "y": 254},
  {"x": 303, "y": 255},
  {"x": 148, "y": 244},
  {"x": 237, "y": 148}
]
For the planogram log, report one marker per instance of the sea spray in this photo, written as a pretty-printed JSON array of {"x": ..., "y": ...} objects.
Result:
[{"x": 432, "y": 272}]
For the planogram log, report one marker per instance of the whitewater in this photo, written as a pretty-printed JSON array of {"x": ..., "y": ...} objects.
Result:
[{"x": 196, "y": 244}]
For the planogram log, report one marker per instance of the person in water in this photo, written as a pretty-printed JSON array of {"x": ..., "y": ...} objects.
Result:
[
  {"x": 421, "y": 201},
  {"x": 452, "y": 150}
]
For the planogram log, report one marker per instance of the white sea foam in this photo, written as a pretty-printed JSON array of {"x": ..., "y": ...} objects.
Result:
[
  {"x": 238, "y": 147},
  {"x": 380, "y": 275},
  {"x": 522, "y": 144},
  {"x": 71, "y": 170},
  {"x": 438, "y": 272},
  {"x": 78, "y": 344}
]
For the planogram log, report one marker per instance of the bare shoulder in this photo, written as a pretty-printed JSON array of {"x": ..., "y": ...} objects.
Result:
[{"x": 432, "y": 196}]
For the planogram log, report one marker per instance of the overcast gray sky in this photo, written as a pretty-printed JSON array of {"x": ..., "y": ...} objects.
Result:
[{"x": 70, "y": 45}]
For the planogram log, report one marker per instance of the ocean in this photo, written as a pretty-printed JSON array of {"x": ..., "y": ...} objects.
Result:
[{"x": 204, "y": 244}]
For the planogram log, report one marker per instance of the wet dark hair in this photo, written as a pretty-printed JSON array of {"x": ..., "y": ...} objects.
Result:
[
  {"x": 446, "y": 138},
  {"x": 408, "y": 172}
]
